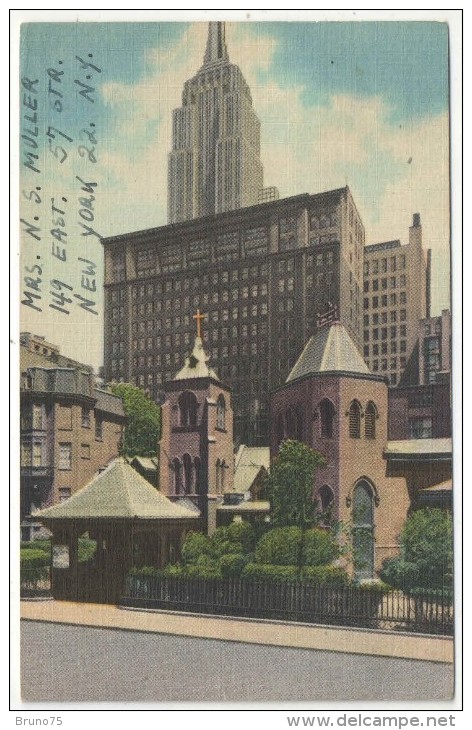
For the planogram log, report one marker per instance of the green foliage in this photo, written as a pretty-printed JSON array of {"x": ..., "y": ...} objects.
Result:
[
  {"x": 238, "y": 537},
  {"x": 44, "y": 545},
  {"x": 231, "y": 566},
  {"x": 280, "y": 546},
  {"x": 327, "y": 575},
  {"x": 293, "y": 546},
  {"x": 194, "y": 546},
  {"x": 143, "y": 428},
  {"x": 261, "y": 571},
  {"x": 86, "y": 549},
  {"x": 290, "y": 485},
  {"x": 204, "y": 567},
  {"x": 32, "y": 558},
  {"x": 426, "y": 553},
  {"x": 319, "y": 547}
]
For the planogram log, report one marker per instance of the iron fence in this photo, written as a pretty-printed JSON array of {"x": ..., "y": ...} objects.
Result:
[
  {"x": 35, "y": 582},
  {"x": 295, "y": 601}
]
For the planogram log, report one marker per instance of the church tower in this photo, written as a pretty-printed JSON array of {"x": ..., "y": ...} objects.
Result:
[
  {"x": 334, "y": 404},
  {"x": 214, "y": 165},
  {"x": 196, "y": 448}
]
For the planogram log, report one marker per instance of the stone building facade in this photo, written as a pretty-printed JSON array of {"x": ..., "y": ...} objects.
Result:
[
  {"x": 69, "y": 430},
  {"x": 215, "y": 164},
  {"x": 262, "y": 275},
  {"x": 396, "y": 299}
]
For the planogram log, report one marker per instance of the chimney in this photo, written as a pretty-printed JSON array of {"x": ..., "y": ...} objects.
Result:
[{"x": 416, "y": 220}]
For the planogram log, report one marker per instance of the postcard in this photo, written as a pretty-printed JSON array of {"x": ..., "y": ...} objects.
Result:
[{"x": 235, "y": 345}]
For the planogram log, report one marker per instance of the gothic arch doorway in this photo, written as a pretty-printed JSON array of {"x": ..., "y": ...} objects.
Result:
[{"x": 363, "y": 530}]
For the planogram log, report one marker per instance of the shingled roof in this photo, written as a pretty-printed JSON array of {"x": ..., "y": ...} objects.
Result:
[
  {"x": 196, "y": 364},
  {"x": 331, "y": 350},
  {"x": 117, "y": 492}
]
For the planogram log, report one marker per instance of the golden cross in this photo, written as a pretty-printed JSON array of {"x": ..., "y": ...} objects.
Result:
[{"x": 199, "y": 317}]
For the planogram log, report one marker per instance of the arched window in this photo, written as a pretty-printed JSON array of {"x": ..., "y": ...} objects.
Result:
[
  {"x": 355, "y": 420},
  {"x": 188, "y": 409},
  {"x": 327, "y": 412},
  {"x": 325, "y": 497},
  {"x": 290, "y": 423},
  {"x": 188, "y": 474},
  {"x": 221, "y": 412},
  {"x": 370, "y": 417},
  {"x": 222, "y": 476},
  {"x": 293, "y": 424},
  {"x": 198, "y": 475},
  {"x": 280, "y": 430},
  {"x": 363, "y": 531},
  {"x": 177, "y": 469}
]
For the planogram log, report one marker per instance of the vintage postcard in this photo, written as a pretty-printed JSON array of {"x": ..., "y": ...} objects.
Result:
[{"x": 235, "y": 348}]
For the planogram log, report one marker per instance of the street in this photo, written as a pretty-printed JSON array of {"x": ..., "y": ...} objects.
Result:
[{"x": 62, "y": 663}]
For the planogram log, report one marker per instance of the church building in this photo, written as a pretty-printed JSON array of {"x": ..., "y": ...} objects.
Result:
[
  {"x": 196, "y": 449},
  {"x": 334, "y": 404}
]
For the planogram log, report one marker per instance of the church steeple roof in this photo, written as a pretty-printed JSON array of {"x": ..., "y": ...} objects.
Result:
[
  {"x": 330, "y": 350},
  {"x": 216, "y": 50},
  {"x": 196, "y": 364}
]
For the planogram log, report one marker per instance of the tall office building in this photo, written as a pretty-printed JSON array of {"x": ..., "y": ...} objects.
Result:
[
  {"x": 214, "y": 165},
  {"x": 396, "y": 298},
  {"x": 262, "y": 275}
]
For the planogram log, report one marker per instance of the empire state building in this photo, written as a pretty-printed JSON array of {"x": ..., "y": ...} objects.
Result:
[{"x": 214, "y": 165}]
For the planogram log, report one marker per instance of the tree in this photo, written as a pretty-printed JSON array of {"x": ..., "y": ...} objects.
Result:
[
  {"x": 142, "y": 430},
  {"x": 290, "y": 485},
  {"x": 426, "y": 553}
]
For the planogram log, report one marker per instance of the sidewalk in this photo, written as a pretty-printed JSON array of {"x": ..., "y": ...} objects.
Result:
[{"x": 273, "y": 633}]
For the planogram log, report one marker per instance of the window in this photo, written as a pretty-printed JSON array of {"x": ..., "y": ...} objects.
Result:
[
  {"x": 325, "y": 497},
  {"x": 65, "y": 456},
  {"x": 177, "y": 476},
  {"x": 369, "y": 423},
  {"x": 188, "y": 474},
  {"x": 188, "y": 409},
  {"x": 85, "y": 418},
  {"x": 84, "y": 451},
  {"x": 37, "y": 416},
  {"x": 37, "y": 453},
  {"x": 421, "y": 428},
  {"x": 355, "y": 420},
  {"x": 327, "y": 412},
  {"x": 64, "y": 493},
  {"x": 98, "y": 429}
]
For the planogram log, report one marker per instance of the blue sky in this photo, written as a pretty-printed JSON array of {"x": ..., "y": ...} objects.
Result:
[{"x": 364, "y": 104}]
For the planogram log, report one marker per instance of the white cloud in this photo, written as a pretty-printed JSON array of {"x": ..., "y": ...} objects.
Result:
[{"x": 393, "y": 170}]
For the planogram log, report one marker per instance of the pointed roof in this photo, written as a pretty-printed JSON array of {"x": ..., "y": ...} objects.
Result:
[
  {"x": 196, "y": 364},
  {"x": 331, "y": 350},
  {"x": 216, "y": 51},
  {"x": 117, "y": 492}
]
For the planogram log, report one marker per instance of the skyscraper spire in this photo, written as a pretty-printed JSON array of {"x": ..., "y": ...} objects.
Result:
[
  {"x": 216, "y": 47},
  {"x": 215, "y": 163}
]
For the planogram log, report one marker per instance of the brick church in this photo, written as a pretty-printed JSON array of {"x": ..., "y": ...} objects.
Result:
[{"x": 331, "y": 402}]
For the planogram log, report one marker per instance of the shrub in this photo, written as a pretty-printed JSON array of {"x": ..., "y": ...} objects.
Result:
[
  {"x": 204, "y": 567},
  {"x": 319, "y": 548},
  {"x": 260, "y": 571},
  {"x": 195, "y": 545},
  {"x": 240, "y": 535},
  {"x": 328, "y": 575},
  {"x": 280, "y": 546},
  {"x": 32, "y": 558},
  {"x": 426, "y": 553},
  {"x": 231, "y": 566}
]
